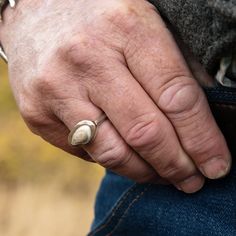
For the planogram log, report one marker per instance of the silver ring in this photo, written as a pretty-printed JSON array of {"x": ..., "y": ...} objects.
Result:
[
  {"x": 85, "y": 131},
  {"x": 2, "y": 54}
]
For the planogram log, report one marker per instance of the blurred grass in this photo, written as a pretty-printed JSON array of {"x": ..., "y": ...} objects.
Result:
[{"x": 43, "y": 190}]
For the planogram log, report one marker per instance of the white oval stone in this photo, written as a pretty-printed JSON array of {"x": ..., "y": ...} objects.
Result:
[{"x": 82, "y": 135}]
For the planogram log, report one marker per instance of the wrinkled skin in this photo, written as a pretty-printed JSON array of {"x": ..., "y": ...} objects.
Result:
[{"x": 72, "y": 60}]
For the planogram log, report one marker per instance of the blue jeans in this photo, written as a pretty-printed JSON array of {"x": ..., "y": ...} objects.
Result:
[{"x": 127, "y": 208}]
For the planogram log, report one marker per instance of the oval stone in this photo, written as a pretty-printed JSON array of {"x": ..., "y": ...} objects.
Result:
[{"x": 82, "y": 135}]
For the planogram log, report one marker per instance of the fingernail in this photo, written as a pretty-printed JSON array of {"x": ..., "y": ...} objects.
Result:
[
  {"x": 191, "y": 184},
  {"x": 215, "y": 168},
  {"x": 178, "y": 187}
]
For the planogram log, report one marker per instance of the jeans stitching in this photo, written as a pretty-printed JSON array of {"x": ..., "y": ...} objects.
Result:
[
  {"x": 126, "y": 211},
  {"x": 112, "y": 214}
]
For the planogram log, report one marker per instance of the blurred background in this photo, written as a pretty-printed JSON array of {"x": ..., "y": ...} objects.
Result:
[{"x": 43, "y": 190}]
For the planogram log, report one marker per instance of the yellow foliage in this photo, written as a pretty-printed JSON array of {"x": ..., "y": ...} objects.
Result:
[
  {"x": 26, "y": 157},
  {"x": 27, "y": 160}
]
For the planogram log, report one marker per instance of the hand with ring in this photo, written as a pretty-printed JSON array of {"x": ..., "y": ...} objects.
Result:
[{"x": 72, "y": 61}]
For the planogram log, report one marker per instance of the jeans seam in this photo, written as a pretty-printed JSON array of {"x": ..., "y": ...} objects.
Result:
[
  {"x": 116, "y": 208},
  {"x": 126, "y": 211}
]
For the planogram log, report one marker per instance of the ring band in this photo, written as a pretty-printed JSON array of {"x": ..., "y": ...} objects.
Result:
[{"x": 85, "y": 131}]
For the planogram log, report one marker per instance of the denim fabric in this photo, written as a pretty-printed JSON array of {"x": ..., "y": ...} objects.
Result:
[
  {"x": 221, "y": 95},
  {"x": 124, "y": 208}
]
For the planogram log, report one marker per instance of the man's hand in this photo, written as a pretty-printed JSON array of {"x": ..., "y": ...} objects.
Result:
[{"x": 72, "y": 60}]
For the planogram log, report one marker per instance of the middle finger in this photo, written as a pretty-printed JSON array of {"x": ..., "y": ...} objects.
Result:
[{"x": 143, "y": 126}]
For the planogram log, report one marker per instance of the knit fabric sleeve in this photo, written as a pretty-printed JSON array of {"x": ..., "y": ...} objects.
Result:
[{"x": 207, "y": 27}]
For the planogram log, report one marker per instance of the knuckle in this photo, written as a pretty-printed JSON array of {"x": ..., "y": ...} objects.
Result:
[
  {"x": 113, "y": 157},
  {"x": 26, "y": 111},
  {"x": 33, "y": 118},
  {"x": 179, "y": 95},
  {"x": 43, "y": 83},
  {"x": 202, "y": 145},
  {"x": 83, "y": 55},
  {"x": 174, "y": 169},
  {"x": 145, "y": 133},
  {"x": 124, "y": 15},
  {"x": 77, "y": 51}
]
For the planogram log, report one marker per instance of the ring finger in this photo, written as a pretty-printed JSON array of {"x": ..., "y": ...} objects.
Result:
[{"x": 108, "y": 148}]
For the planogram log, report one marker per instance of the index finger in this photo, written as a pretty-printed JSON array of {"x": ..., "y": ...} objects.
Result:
[{"x": 160, "y": 68}]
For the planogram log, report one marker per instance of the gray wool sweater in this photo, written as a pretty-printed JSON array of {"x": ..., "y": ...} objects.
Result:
[{"x": 207, "y": 27}]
